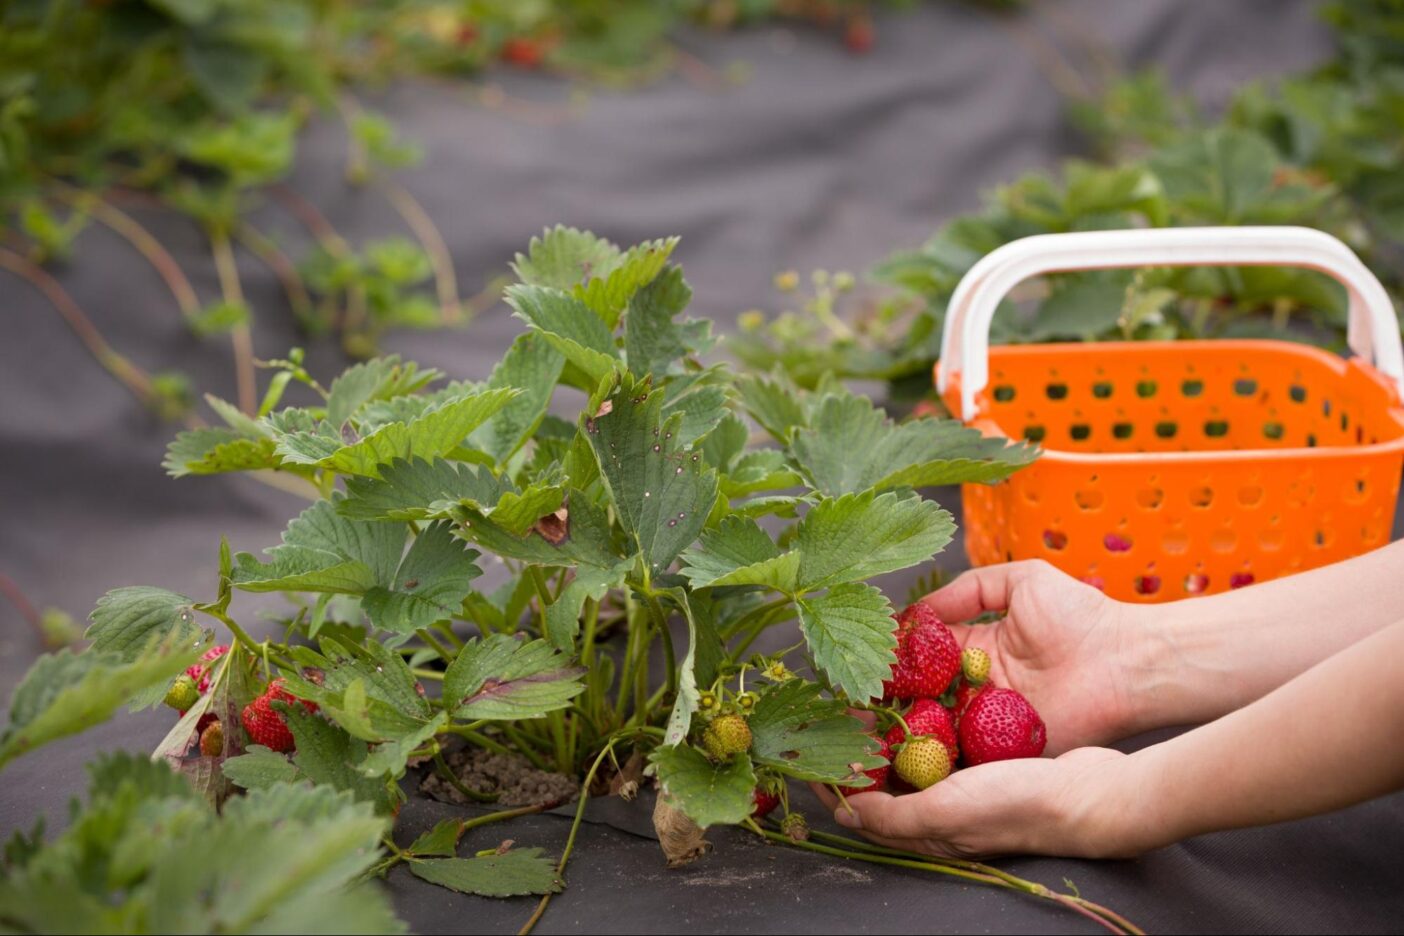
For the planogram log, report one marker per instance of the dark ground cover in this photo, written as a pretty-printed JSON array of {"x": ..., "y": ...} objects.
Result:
[{"x": 819, "y": 160}]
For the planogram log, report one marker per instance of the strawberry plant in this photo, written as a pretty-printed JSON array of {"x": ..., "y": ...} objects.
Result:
[
  {"x": 477, "y": 573},
  {"x": 1319, "y": 149}
]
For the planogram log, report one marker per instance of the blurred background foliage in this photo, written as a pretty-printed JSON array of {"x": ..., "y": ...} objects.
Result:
[{"x": 1323, "y": 149}]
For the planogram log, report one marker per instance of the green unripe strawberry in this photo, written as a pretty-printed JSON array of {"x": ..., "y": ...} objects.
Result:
[
  {"x": 975, "y": 664},
  {"x": 726, "y": 736},
  {"x": 182, "y": 694},
  {"x": 922, "y": 762},
  {"x": 795, "y": 828}
]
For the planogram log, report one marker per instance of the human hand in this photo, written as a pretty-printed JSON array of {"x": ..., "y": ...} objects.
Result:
[
  {"x": 1049, "y": 806},
  {"x": 1062, "y": 644}
]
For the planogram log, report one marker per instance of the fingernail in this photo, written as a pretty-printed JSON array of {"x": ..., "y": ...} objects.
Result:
[{"x": 848, "y": 819}]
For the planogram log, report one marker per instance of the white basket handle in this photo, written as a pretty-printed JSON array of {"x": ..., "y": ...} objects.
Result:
[{"x": 1373, "y": 331}]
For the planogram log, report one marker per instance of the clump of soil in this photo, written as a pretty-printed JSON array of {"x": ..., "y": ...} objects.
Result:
[{"x": 511, "y": 776}]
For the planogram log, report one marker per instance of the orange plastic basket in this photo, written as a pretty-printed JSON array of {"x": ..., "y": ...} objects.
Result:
[{"x": 1180, "y": 468}]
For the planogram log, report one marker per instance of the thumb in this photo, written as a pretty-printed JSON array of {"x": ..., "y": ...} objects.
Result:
[{"x": 895, "y": 817}]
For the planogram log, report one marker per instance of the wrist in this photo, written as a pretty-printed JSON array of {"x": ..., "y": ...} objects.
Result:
[
  {"x": 1151, "y": 674},
  {"x": 1115, "y": 812}
]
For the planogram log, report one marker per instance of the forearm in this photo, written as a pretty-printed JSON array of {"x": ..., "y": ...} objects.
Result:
[
  {"x": 1192, "y": 661},
  {"x": 1326, "y": 739}
]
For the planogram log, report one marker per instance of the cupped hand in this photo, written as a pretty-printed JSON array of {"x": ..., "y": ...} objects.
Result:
[
  {"x": 1047, "y": 806},
  {"x": 1061, "y": 644}
]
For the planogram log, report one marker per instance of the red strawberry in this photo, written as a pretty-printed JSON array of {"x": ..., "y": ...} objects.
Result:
[
  {"x": 859, "y": 35},
  {"x": 265, "y": 725},
  {"x": 964, "y": 695},
  {"x": 927, "y": 717},
  {"x": 200, "y": 672},
  {"x": 1000, "y": 724},
  {"x": 928, "y": 657},
  {"x": 765, "y": 803},
  {"x": 522, "y": 52},
  {"x": 878, "y": 774},
  {"x": 276, "y": 693}
]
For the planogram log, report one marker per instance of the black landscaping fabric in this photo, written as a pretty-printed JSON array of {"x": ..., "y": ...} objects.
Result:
[{"x": 819, "y": 159}]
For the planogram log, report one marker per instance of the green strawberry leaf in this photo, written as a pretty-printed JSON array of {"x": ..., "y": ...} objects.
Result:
[
  {"x": 857, "y": 536},
  {"x": 797, "y": 732},
  {"x": 127, "y": 620},
  {"x": 563, "y": 614},
  {"x": 381, "y": 378},
  {"x": 440, "y": 841},
  {"x": 259, "y": 768},
  {"x": 739, "y": 552},
  {"x": 218, "y": 450},
  {"x": 435, "y": 432},
  {"x": 616, "y": 281},
  {"x": 849, "y": 630},
  {"x": 502, "y": 678},
  {"x": 328, "y": 756},
  {"x": 583, "y": 537},
  {"x": 708, "y": 792},
  {"x": 515, "y": 873},
  {"x": 65, "y": 693},
  {"x": 851, "y": 446},
  {"x": 563, "y": 257},
  {"x": 570, "y": 326},
  {"x": 430, "y": 584},
  {"x": 660, "y": 489},
  {"x": 704, "y": 655},
  {"x": 532, "y": 367},
  {"x": 653, "y": 341}
]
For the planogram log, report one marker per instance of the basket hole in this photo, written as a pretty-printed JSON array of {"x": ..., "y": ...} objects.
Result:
[
  {"x": 1055, "y": 540},
  {"x": 1250, "y": 496},
  {"x": 1216, "y": 428},
  {"x": 1325, "y": 407},
  {"x": 1089, "y": 498},
  {"x": 1245, "y": 386},
  {"x": 1056, "y": 391},
  {"x": 1031, "y": 495},
  {"x": 1096, "y": 581},
  {"x": 1102, "y": 389},
  {"x": 1359, "y": 433},
  {"x": 1122, "y": 430},
  {"x": 1357, "y": 492},
  {"x": 1192, "y": 388},
  {"x": 1166, "y": 429},
  {"x": 1270, "y": 540},
  {"x": 1345, "y": 420},
  {"x": 1321, "y": 539},
  {"x": 1241, "y": 579},
  {"x": 1079, "y": 432},
  {"x": 1150, "y": 497},
  {"x": 1201, "y": 496},
  {"x": 1117, "y": 543},
  {"x": 1273, "y": 431},
  {"x": 1147, "y": 584},
  {"x": 1297, "y": 393},
  {"x": 1196, "y": 583},
  {"x": 1145, "y": 389},
  {"x": 1034, "y": 433},
  {"x": 1223, "y": 541},
  {"x": 1371, "y": 533},
  {"x": 1311, "y": 440},
  {"x": 1003, "y": 393},
  {"x": 1175, "y": 542}
]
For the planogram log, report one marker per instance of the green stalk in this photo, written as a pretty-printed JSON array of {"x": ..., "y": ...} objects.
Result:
[
  {"x": 574, "y": 830},
  {"x": 445, "y": 772},
  {"x": 762, "y": 624},
  {"x": 444, "y": 653},
  {"x": 241, "y": 335},
  {"x": 661, "y": 618},
  {"x": 955, "y": 868}
]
